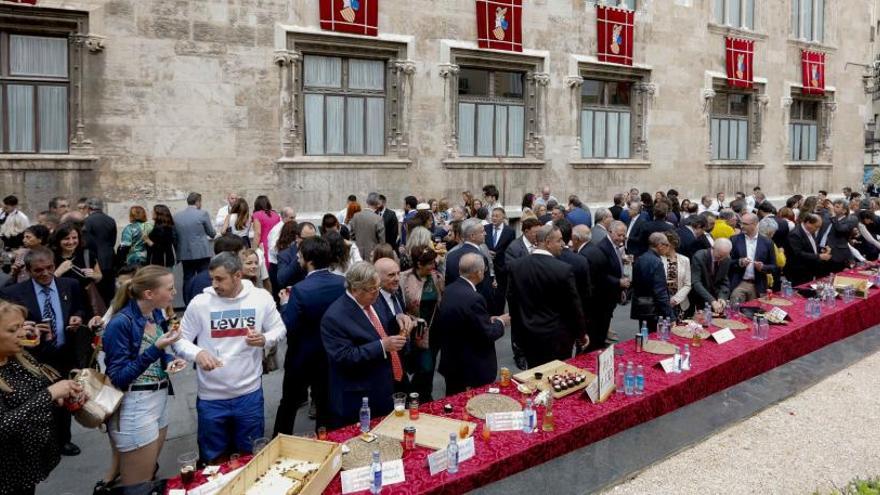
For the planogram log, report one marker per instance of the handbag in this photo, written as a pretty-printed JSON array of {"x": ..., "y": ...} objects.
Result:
[
  {"x": 102, "y": 397},
  {"x": 96, "y": 302}
]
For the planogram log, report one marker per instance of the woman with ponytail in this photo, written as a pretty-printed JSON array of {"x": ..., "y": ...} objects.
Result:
[{"x": 134, "y": 345}]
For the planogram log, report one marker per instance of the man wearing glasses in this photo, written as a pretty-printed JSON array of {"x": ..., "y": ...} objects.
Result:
[{"x": 753, "y": 258}]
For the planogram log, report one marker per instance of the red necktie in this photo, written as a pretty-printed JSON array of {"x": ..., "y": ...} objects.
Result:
[{"x": 396, "y": 367}]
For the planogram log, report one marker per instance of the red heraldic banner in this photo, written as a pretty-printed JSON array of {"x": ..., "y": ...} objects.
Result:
[
  {"x": 614, "y": 30},
  {"x": 499, "y": 24},
  {"x": 740, "y": 62},
  {"x": 814, "y": 73},
  {"x": 350, "y": 16}
]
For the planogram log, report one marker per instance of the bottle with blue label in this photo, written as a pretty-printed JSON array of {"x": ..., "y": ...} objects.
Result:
[
  {"x": 376, "y": 469},
  {"x": 529, "y": 417},
  {"x": 676, "y": 361},
  {"x": 629, "y": 379},
  {"x": 640, "y": 380},
  {"x": 365, "y": 415},
  {"x": 452, "y": 454}
]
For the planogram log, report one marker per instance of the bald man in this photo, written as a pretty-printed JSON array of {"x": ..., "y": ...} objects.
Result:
[{"x": 753, "y": 258}]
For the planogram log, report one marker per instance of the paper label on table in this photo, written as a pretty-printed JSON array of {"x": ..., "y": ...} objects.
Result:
[
  {"x": 593, "y": 390},
  {"x": 437, "y": 462},
  {"x": 668, "y": 364},
  {"x": 777, "y": 313},
  {"x": 723, "y": 335},
  {"x": 505, "y": 421},
  {"x": 176, "y": 491},
  {"x": 356, "y": 480},
  {"x": 606, "y": 372}
]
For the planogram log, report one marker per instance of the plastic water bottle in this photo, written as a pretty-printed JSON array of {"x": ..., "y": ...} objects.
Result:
[
  {"x": 676, "y": 361},
  {"x": 787, "y": 289},
  {"x": 765, "y": 328},
  {"x": 756, "y": 329},
  {"x": 365, "y": 415},
  {"x": 707, "y": 315},
  {"x": 620, "y": 382},
  {"x": 686, "y": 358},
  {"x": 640, "y": 342},
  {"x": 452, "y": 454},
  {"x": 376, "y": 469},
  {"x": 630, "y": 379},
  {"x": 661, "y": 329},
  {"x": 640, "y": 380},
  {"x": 529, "y": 417}
]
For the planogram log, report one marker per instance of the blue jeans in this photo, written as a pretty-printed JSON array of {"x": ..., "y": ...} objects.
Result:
[{"x": 230, "y": 425}]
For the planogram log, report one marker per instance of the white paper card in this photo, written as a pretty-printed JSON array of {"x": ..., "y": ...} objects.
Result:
[
  {"x": 668, "y": 365},
  {"x": 437, "y": 462},
  {"x": 356, "y": 480},
  {"x": 176, "y": 491},
  {"x": 606, "y": 372},
  {"x": 777, "y": 314},
  {"x": 723, "y": 335},
  {"x": 593, "y": 390},
  {"x": 505, "y": 421},
  {"x": 215, "y": 485}
]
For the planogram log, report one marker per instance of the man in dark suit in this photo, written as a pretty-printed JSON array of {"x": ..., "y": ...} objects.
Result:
[
  {"x": 606, "y": 275},
  {"x": 392, "y": 225},
  {"x": 710, "y": 282},
  {"x": 690, "y": 233},
  {"x": 306, "y": 361},
  {"x": 289, "y": 270},
  {"x": 499, "y": 236},
  {"x": 780, "y": 237},
  {"x": 468, "y": 350},
  {"x": 473, "y": 235},
  {"x": 579, "y": 264},
  {"x": 837, "y": 236},
  {"x": 544, "y": 301},
  {"x": 753, "y": 258},
  {"x": 650, "y": 294},
  {"x": 644, "y": 230},
  {"x": 55, "y": 302},
  {"x": 602, "y": 223},
  {"x": 617, "y": 209},
  {"x": 100, "y": 233},
  {"x": 804, "y": 259},
  {"x": 519, "y": 248},
  {"x": 633, "y": 216},
  {"x": 364, "y": 357},
  {"x": 194, "y": 231}
]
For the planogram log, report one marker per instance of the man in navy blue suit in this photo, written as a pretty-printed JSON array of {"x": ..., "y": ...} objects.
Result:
[
  {"x": 650, "y": 295},
  {"x": 753, "y": 258},
  {"x": 306, "y": 361},
  {"x": 473, "y": 235},
  {"x": 690, "y": 233},
  {"x": 364, "y": 357},
  {"x": 499, "y": 236},
  {"x": 289, "y": 270},
  {"x": 606, "y": 275},
  {"x": 468, "y": 351}
]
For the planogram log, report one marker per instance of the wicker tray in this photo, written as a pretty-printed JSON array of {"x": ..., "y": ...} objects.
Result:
[
  {"x": 361, "y": 452},
  {"x": 660, "y": 347},
  {"x": 776, "y": 301},
  {"x": 684, "y": 332},
  {"x": 731, "y": 324},
  {"x": 483, "y": 404}
]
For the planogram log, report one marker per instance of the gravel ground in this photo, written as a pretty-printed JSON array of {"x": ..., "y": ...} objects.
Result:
[{"x": 816, "y": 440}]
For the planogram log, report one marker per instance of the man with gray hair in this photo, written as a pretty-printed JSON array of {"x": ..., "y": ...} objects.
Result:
[
  {"x": 709, "y": 277},
  {"x": 367, "y": 228},
  {"x": 474, "y": 236},
  {"x": 99, "y": 231},
  {"x": 545, "y": 306},
  {"x": 602, "y": 222},
  {"x": 364, "y": 356},
  {"x": 753, "y": 258},
  {"x": 194, "y": 231},
  {"x": 233, "y": 322},
  {"x": 650, "y": 295},
  {"x": 467, "y": 357}
]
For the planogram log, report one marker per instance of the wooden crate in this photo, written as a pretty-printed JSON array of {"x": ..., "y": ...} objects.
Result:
[
  {"x": 551, "y": 368},
  {"x": 431, "y": 431},
  {"x": 328, "y": 454}
]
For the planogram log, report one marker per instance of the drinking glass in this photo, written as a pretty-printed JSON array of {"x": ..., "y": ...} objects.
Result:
[
  {"x": 399, "y": 403},
  {"x": 187, "y": 464},
  {"x": 259, "y": 444}
]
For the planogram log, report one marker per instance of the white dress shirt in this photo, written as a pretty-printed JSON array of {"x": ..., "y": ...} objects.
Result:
[
  {"x": 272, "y": 240},
  {"x": 751, "y": 248},
  {"x": 222, "y": 213}
]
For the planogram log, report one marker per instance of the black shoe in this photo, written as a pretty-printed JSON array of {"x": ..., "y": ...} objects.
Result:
[
  {"x": 70, "y": 450},
  {"x": 102, "y": 488},
  {"x": 521, "y": 362}
]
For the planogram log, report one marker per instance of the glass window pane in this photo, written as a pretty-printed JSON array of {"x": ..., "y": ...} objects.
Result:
[
  {"x": 719, "y": 11},
  {"x": 485, "y": 130},
  {"x": 719, "y": 104},
  {"x": 795, "y": 18},
  {"x": 314, "y": 116},
  {"x": 619, "y": 93},
  {"x": 732, "y": 140},
  {"x": 807, "y": 19},
  {"x": 739, "y": 105},
  {"x": 335, "y": 125},
  {"x": 749, "y": 21},
  {"x": 354, "y": 126},
  {"x": 323, "y": 72},
  {"x": 796, "y": 142},
  {"x": 473, "y": 82},
  {"x": 587, "y": 133},
  {"x": 723, "y": 135},
  {"x": 501, "y": 129},
  {"x": 53, "y": 119},
  {"x": 612, "y": 124},
  {"x": 623, "y": 147},
  {"x": 37, "y": 56},
  {"x": 820, "y": 20},
  {"x": 810, "y": 110},
  {"x": 20, "y": 100},
  {"x": 591, "y": 92},
  {"x": 805, "y": 142},
  {"x": 733, "y": 12},
  {"x": 814, "y": 144},
  {"x": 795, "y": 111},
  {"x": 509, "y": 84},
  {"x": 599, "y": 133},
  {"x": 629, "y": 4},
  {"x": 715, "y": 137},
  {"x": 743, "y": 145},
  {"x": 366, "y": 74},
  {"x": 375, "y": 126},
  {"x": 517, "y": 124},
  {"x": 466, "y": 117}
]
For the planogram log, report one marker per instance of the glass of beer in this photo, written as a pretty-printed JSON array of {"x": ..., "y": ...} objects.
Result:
[
  {"x": 399, "y": 403},
  {"x": 187, "y": 463}
]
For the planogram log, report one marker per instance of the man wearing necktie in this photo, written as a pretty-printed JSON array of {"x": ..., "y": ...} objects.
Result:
[
  {"x": 56, "y": 304},
  {"x": 499, "y": 236}
]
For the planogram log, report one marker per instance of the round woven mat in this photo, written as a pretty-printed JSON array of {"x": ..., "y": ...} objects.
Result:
[
  {"x": 361, "y": 453},
  {"x": 684, "y": 331},
  {"x": 776, "y": 301},
  {"x": 731, "y": 324},
  {"x": 481, "y": 405},
  {"x": 659, "y": 347},
  {"x": 867, "y": 273}
]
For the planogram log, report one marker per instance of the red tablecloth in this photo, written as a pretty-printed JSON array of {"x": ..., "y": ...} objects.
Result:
[
  {"x": 200, "y": 479},
  {"x": 578, "y": 422}
]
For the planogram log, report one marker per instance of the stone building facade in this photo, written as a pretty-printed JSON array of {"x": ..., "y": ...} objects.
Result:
[{"x": 171, "y": 96}]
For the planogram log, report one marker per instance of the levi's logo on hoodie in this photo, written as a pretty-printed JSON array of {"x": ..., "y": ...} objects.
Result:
[{"x": 232, "y": 322}]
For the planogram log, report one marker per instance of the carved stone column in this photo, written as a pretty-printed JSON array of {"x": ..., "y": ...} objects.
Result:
[
  {"x": 786, "y": 103},
  {"x": 402, "y": 72},
  {"x": 574, "y": 84},
  {"x": 288, "y": 62},
  {"x": 449, "y": 72},
  {"x": 708, "y": 99},
  {"x": 80, "y": 144},
  {"x": 759, "y": 111},
  {"x": 828, "y": 110},
  {"x": 537, "y": 83},
  {"x": 645, "y": 92}
]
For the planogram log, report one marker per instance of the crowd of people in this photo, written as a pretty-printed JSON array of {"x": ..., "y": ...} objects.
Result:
[{"x": 370, "y": 302}]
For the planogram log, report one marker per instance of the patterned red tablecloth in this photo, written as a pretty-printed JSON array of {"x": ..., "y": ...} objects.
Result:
[
  {"x": 200, "y": 479},
  {"x": 579, "y": 423}
]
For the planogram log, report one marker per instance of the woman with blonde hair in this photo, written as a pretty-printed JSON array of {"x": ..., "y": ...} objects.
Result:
[
  {"x": 135, "y": 344},
  {"x": 251, "y": 269},
  {"x": 29, "y": 396}
]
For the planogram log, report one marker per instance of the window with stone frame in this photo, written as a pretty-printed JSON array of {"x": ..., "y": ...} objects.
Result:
[
  {"x": 734, "y": 13},
  {"x": 622, "y": 4},
  {"x": 606, "y": 116},
  {"x": 804, "y": 130},
  {"x": 491, "y": 113},
  {"x": 343, "y": 97},
  {"x": 729, "y": 126},
  {"x": 808, "y": 20}
]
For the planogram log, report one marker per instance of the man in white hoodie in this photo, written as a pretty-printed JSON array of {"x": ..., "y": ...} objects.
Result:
[{"x": 233, "y": 322}]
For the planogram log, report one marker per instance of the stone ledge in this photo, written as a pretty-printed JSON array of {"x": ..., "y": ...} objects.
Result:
[
  {"x": 484, "y": 163},
  {"x": 610, "y": 164},
  {"x": 342, "y": 163},
  {"x": 47, "y": 162},
  {"x": 816, "y": 46},
  {"x": 733, "y": 165},
  {"x": 736, "y": 32},
  {"x": 808, "y": 165}
]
